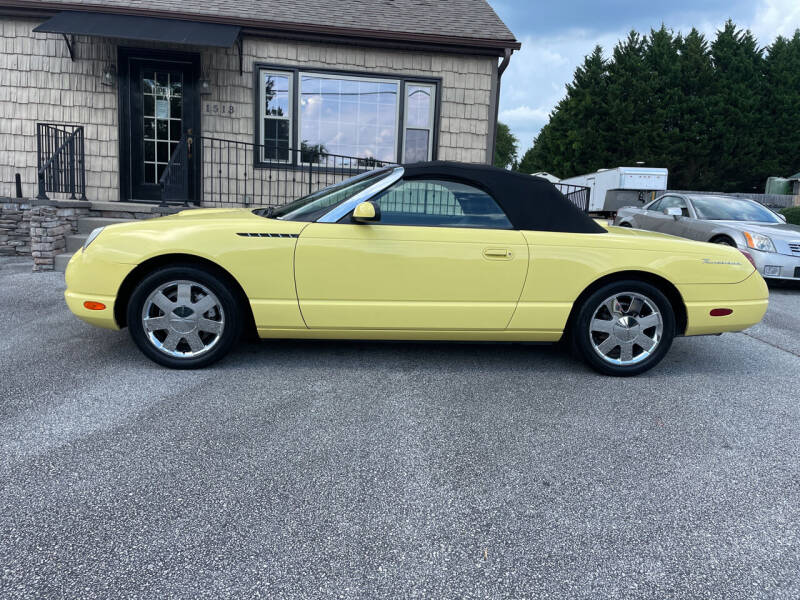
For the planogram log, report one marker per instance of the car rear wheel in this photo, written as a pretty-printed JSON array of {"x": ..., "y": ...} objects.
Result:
[
  {"x": 624, "y": 328},
  {"x": 183, "y": 317}
]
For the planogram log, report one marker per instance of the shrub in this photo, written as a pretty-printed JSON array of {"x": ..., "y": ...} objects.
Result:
[{"x": 792, "y": 215}]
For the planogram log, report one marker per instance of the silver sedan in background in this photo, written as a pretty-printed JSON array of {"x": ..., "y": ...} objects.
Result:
[{"x": 773, "y": 244}]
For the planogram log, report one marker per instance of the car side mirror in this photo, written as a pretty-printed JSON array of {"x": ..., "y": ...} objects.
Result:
[
  {"x": 367, "y": 212},
  {"x": 673, "y": 211}
]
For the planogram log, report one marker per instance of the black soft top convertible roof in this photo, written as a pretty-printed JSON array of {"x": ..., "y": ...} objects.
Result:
[{"x": 531, "y": 203}]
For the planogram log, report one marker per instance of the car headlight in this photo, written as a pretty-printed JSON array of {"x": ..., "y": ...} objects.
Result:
[
  {"x": 92, "y": 237},
  {"x": 759, "y": 242}
]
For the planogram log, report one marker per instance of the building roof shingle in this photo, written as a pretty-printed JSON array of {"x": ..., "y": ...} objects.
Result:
[{"x": 449, "y": 22}]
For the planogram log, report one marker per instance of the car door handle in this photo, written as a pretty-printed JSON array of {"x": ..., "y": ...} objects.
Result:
[{"x": 497, "y": 253}]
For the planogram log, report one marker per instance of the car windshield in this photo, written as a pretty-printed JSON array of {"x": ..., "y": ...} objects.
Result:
[
  {"x": 311, "y": 207},
  {"x": 732, "y": 209}
]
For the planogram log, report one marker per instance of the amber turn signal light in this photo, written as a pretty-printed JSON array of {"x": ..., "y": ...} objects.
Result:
[
  {"x": 721, "y": 312},
  {"x": 90, "y": 305}
]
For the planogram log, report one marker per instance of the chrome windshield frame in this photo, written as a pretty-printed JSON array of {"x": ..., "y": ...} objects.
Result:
[{"x": 340, "y": 210}]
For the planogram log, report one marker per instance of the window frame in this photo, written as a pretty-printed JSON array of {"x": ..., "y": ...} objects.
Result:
[
  {"x": 294, "y": 84},
  {"x": 261, "y": 116},
  {"x": 431, "y": 116}
]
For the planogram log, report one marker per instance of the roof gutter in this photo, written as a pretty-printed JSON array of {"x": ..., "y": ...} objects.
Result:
[{"x": 500, "y": 70}]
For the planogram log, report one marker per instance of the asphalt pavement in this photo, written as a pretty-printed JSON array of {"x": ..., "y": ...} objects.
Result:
[{"x": 393, "y": 470}]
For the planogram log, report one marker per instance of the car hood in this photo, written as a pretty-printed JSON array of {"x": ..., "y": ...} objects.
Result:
[
  {"x": 785, "y": 231},
  {"x": 212, "y": 214}
]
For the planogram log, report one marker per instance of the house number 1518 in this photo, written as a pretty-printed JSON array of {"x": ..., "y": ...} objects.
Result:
[{"x": 225, "y": 110}]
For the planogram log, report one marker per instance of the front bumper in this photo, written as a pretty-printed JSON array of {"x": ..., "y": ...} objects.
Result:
[
  {"x": 772, "y": 265},
  {"x": 90, "y": 278}
]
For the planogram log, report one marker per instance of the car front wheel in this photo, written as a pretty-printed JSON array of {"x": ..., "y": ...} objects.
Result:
[
  {"x": 624, "y": 328},
  {"x": 183, "y": 317}
]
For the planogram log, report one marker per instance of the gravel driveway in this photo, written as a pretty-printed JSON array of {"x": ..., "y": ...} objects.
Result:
[{"x": 378, "y": 470}]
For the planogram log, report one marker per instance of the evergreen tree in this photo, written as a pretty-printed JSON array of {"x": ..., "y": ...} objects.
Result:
[
  {"x": 722, "y": 117},
  {"x": 782, "y": 107},
  {"x": 690, "y": 164},
  {"x": 738, "y": 117},
  {"x": 660, "y": 118},
  {"x": 628, "y": 103}
]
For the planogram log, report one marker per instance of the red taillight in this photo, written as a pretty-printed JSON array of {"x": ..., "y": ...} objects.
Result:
[
  {"x": 90, "y": 305},
  {"x": 749, "y": 257},
  {"x": 721, "y": 312}
]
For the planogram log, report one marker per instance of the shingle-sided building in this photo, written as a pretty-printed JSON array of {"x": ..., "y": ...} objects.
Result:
[{"x": 239, "y": 101}]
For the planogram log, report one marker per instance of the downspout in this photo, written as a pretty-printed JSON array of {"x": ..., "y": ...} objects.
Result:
[{"x": 500, "y": 70}]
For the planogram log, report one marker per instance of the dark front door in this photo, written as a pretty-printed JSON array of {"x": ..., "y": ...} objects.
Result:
[{"x": 162, "y": 108}]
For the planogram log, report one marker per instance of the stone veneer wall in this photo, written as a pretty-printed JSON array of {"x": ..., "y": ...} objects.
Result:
[
  {"x": 39, "y": 83},
  {"x": 50, "y": 226},
  {"x": 15, "y": 227}
]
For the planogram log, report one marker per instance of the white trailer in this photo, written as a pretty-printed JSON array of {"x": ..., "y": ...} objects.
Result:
[{"x": 611, "y": 189}]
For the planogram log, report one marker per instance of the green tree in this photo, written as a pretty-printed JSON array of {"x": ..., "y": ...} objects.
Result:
[
  {"x": 627, "y": 102},
  {"x": 505, "y": 147},
  {"x": 738, "y": 118},
  {"x": 660, "y": 117},
  {"x": 782, "y": 105},
  {"x": 690, "y": 164},
  {"x": 721, "y": 116}
]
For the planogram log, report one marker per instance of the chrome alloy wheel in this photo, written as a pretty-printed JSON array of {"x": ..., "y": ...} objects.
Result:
[
  {"x": 183, "y": 319},
  {"x": 626, "y": 328}
]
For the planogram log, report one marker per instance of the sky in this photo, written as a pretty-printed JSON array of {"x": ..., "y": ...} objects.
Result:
[{"x": 557, "y": 35}]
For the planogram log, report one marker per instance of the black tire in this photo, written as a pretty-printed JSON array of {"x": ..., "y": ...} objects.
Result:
[
  {"x": 724, "y": 241},
  {"x": 626, "y": 225},
  {"x": 584, "y": 339},
  {"x": 225, "y": 312}
]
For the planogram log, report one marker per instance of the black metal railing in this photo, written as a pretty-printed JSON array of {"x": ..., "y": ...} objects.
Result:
[
  {"x": 577, "y": 194},
  {"x": 61, "y": 160},
  {"x": 242, "y": 173},
  {"x": 174, "y": 181}
]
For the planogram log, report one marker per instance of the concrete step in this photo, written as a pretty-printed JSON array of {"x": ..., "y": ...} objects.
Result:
[
  {"x": 61, "y": 260},
  {"x": 75, "y": 242},
  {"x": 131, "y": 207},
  {"x": 87, "y": 224}
]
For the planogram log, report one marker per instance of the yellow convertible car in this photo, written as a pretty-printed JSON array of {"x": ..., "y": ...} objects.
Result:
[{"x": 433, "y": 251}]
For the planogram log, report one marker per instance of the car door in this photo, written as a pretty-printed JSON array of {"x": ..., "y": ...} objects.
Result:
[
  {"x": 694, "y": 228},
  {"x": 443, "y": 256},
  {"x": 654, "y": 219}
]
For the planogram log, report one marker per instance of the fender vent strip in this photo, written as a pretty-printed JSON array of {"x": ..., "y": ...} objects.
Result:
[{"x": 269, "y": 235}]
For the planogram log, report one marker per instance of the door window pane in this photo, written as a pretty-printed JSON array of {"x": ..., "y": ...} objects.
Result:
[
  {"x": 349, "y": 116},
  {"x": 162, "y": 107},
  {"x": 435, "y": 203},
  {"x": 656, "y": 205}
]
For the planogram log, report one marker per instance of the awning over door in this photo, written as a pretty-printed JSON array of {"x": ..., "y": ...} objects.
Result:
[{"x": 143, "y": 29}]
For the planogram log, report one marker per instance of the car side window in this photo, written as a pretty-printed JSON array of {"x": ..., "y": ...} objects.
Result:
[
  {"x": 656, "y": 205},
  {"x": 675, "y": 202},
  {"x": 439, "y": 203}
]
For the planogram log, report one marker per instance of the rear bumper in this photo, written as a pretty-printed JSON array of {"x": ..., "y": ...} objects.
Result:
[{"x": 748, "y": 300}]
